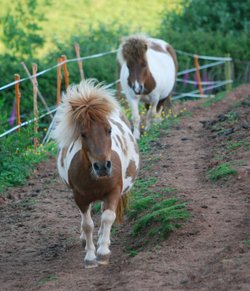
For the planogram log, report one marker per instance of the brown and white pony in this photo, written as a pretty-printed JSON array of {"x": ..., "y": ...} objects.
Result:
[
  {"x": 148, "y": 73},
  {"x": 98, "y": 159}
]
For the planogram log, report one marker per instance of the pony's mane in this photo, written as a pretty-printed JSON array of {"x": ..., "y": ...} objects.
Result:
[
  {"x": 132, "y": 48},
  {"x": 81, "y": 105}
]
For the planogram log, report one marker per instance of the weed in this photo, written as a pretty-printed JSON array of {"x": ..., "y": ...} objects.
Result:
[
  {"x": 247, "y": 241},
  {"x": 221, "y": 171},
  {"x": 45, "y": 280},
  {"x": 96, "y": 207},
  {"x": 235, "y": 145},
  {"x": 27, "y": 203},
  {"x": 212, "y": 100}
]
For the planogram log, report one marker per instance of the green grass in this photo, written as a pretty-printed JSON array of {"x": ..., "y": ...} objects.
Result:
[
  {"x": 221, "y": 171},
  {"x": 162, "y": 218},
  {"x": 247, "y": 241},
  {"x": 235, "y": 145},
  {"x": 211, "y": 100},
  {"x": 153, "y": 211},
  {"x": 18, "y": 157},
  {"x": 68, "y": 18},
  {"x": 46, "y": 279}
]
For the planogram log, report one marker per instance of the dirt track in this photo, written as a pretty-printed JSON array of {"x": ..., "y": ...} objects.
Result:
[{"x": 39, "y": 244}]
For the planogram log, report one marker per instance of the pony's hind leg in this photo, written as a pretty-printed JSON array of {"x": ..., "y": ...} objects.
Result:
[{"x": 88, "y": 227}]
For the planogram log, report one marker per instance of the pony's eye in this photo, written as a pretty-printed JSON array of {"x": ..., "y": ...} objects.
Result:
[
  {"x": 109, "y": 130},
  {"x": 83, "y": 135}
]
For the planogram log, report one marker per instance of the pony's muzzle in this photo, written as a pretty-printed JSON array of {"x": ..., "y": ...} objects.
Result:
[
  {"x": 102, "y": 169},
  {"x": 138, "y": 88}
]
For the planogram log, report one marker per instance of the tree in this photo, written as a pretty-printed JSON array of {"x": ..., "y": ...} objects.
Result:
[
  {"x": 225, "y": 16},
  {"x": 21, "y": 30}
]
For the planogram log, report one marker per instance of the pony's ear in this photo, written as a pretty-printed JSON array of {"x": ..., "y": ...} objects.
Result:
[{"x": 145, "y": 46}]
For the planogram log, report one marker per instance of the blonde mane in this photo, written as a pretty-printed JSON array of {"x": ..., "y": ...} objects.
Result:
[
  {"x": 133, "y": 47},
  {"x": 82, "y": 104}
]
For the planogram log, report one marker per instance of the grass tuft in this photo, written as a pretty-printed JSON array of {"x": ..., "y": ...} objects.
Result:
[
  {"x": 221, "y": 171},
  {"x": 163, "y": 218}
]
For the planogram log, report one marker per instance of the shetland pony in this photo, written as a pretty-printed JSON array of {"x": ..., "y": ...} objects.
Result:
[
  {"x": 148, "y": 73},
  {"x": 98, "y": 159}
]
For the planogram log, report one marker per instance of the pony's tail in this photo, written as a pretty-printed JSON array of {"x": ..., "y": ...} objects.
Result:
[{"x": 122, "y": 206}]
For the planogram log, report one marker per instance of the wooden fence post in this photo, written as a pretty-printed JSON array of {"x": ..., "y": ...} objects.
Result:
[
  {"x": 197, "y": 66},
  {"x": 228, "y": 73},
  {"x": 65, "y": 70},
  {"x": 38, "y": 92},
  {"x": 34, "y": 71},
  {"x": 59, "y": 81},
  {"x": 118, "y": 85},
  {"x": 18, "y": 97},
  {"x": 77, "y": 49}
]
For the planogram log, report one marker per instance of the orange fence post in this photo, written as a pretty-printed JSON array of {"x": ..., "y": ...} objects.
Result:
[
  {"x": 77, "y": 49},
  {"x": 65, "y": 70},
  {"x": 197, "y": 66},
  {"x": 35, "y": 89},
  {"x": 18, "y": 97},
  {"x": 59, "y": 81}
]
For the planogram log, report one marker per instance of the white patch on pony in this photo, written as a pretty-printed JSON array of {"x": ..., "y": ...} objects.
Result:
[
  {"x": 137, "y": 87},
  {"x": 130, "y": 154},
  {"x": 108, "y": 218},
  {"x": 73, "y": 148}
]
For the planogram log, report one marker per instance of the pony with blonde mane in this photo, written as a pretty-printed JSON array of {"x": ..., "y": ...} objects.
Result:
[
  {"x": 98, "y": 159},
  {"x": 148, "y": 73}
]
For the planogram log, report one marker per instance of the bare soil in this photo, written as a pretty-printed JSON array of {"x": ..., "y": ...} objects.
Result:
[{"x": 39, "y": 232}]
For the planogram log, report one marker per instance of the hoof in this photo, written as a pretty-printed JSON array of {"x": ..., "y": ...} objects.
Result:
[
  {"x": 103, "y": 259},
  {"x": 90, "y": 264}
]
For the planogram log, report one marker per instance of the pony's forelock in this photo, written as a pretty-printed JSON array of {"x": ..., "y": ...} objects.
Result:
[
  {"x": 83, "y": 104},
  {"x": 133, "y": 46}
]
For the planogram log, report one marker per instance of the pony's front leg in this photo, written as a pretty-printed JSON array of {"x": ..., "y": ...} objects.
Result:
[
  {"x": 87, "y": 228},
  {"x": 107, "y": 220},
  {"x": 134, "y": 105},
  {"x": 152, "y": 115}
]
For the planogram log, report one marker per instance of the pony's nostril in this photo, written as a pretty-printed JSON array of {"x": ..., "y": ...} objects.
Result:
[
  {"x": 96, "y": 166},
  {"x": 108, "y": 164}
]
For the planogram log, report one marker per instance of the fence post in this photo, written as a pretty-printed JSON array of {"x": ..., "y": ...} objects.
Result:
[
  {"x": 35, "y": 89},
  {"x": 59, "y": 81},
  {"x": 197, "y": 66},
  {"x": 18, "y": 97},
  {"x": 77, "y": 49},
  {"x": 38, "y": 92},
  {"x": 65, "y": 70},
  {"x": 228, "y": 73},
  {"x": 118, "y": 85}
]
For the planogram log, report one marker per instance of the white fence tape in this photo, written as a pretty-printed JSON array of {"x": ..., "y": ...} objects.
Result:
[
  {"x": 216, "y": 84},
  {"x": 57, "y": 65}
]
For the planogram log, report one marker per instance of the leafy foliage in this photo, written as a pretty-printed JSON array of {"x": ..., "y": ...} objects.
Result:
[
  {"x": 21, "y": 30},
  {"x": 17, "y": 157}
]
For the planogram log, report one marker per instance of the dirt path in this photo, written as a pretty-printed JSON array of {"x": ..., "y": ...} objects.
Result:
[{"x": 40, "y": 250}]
